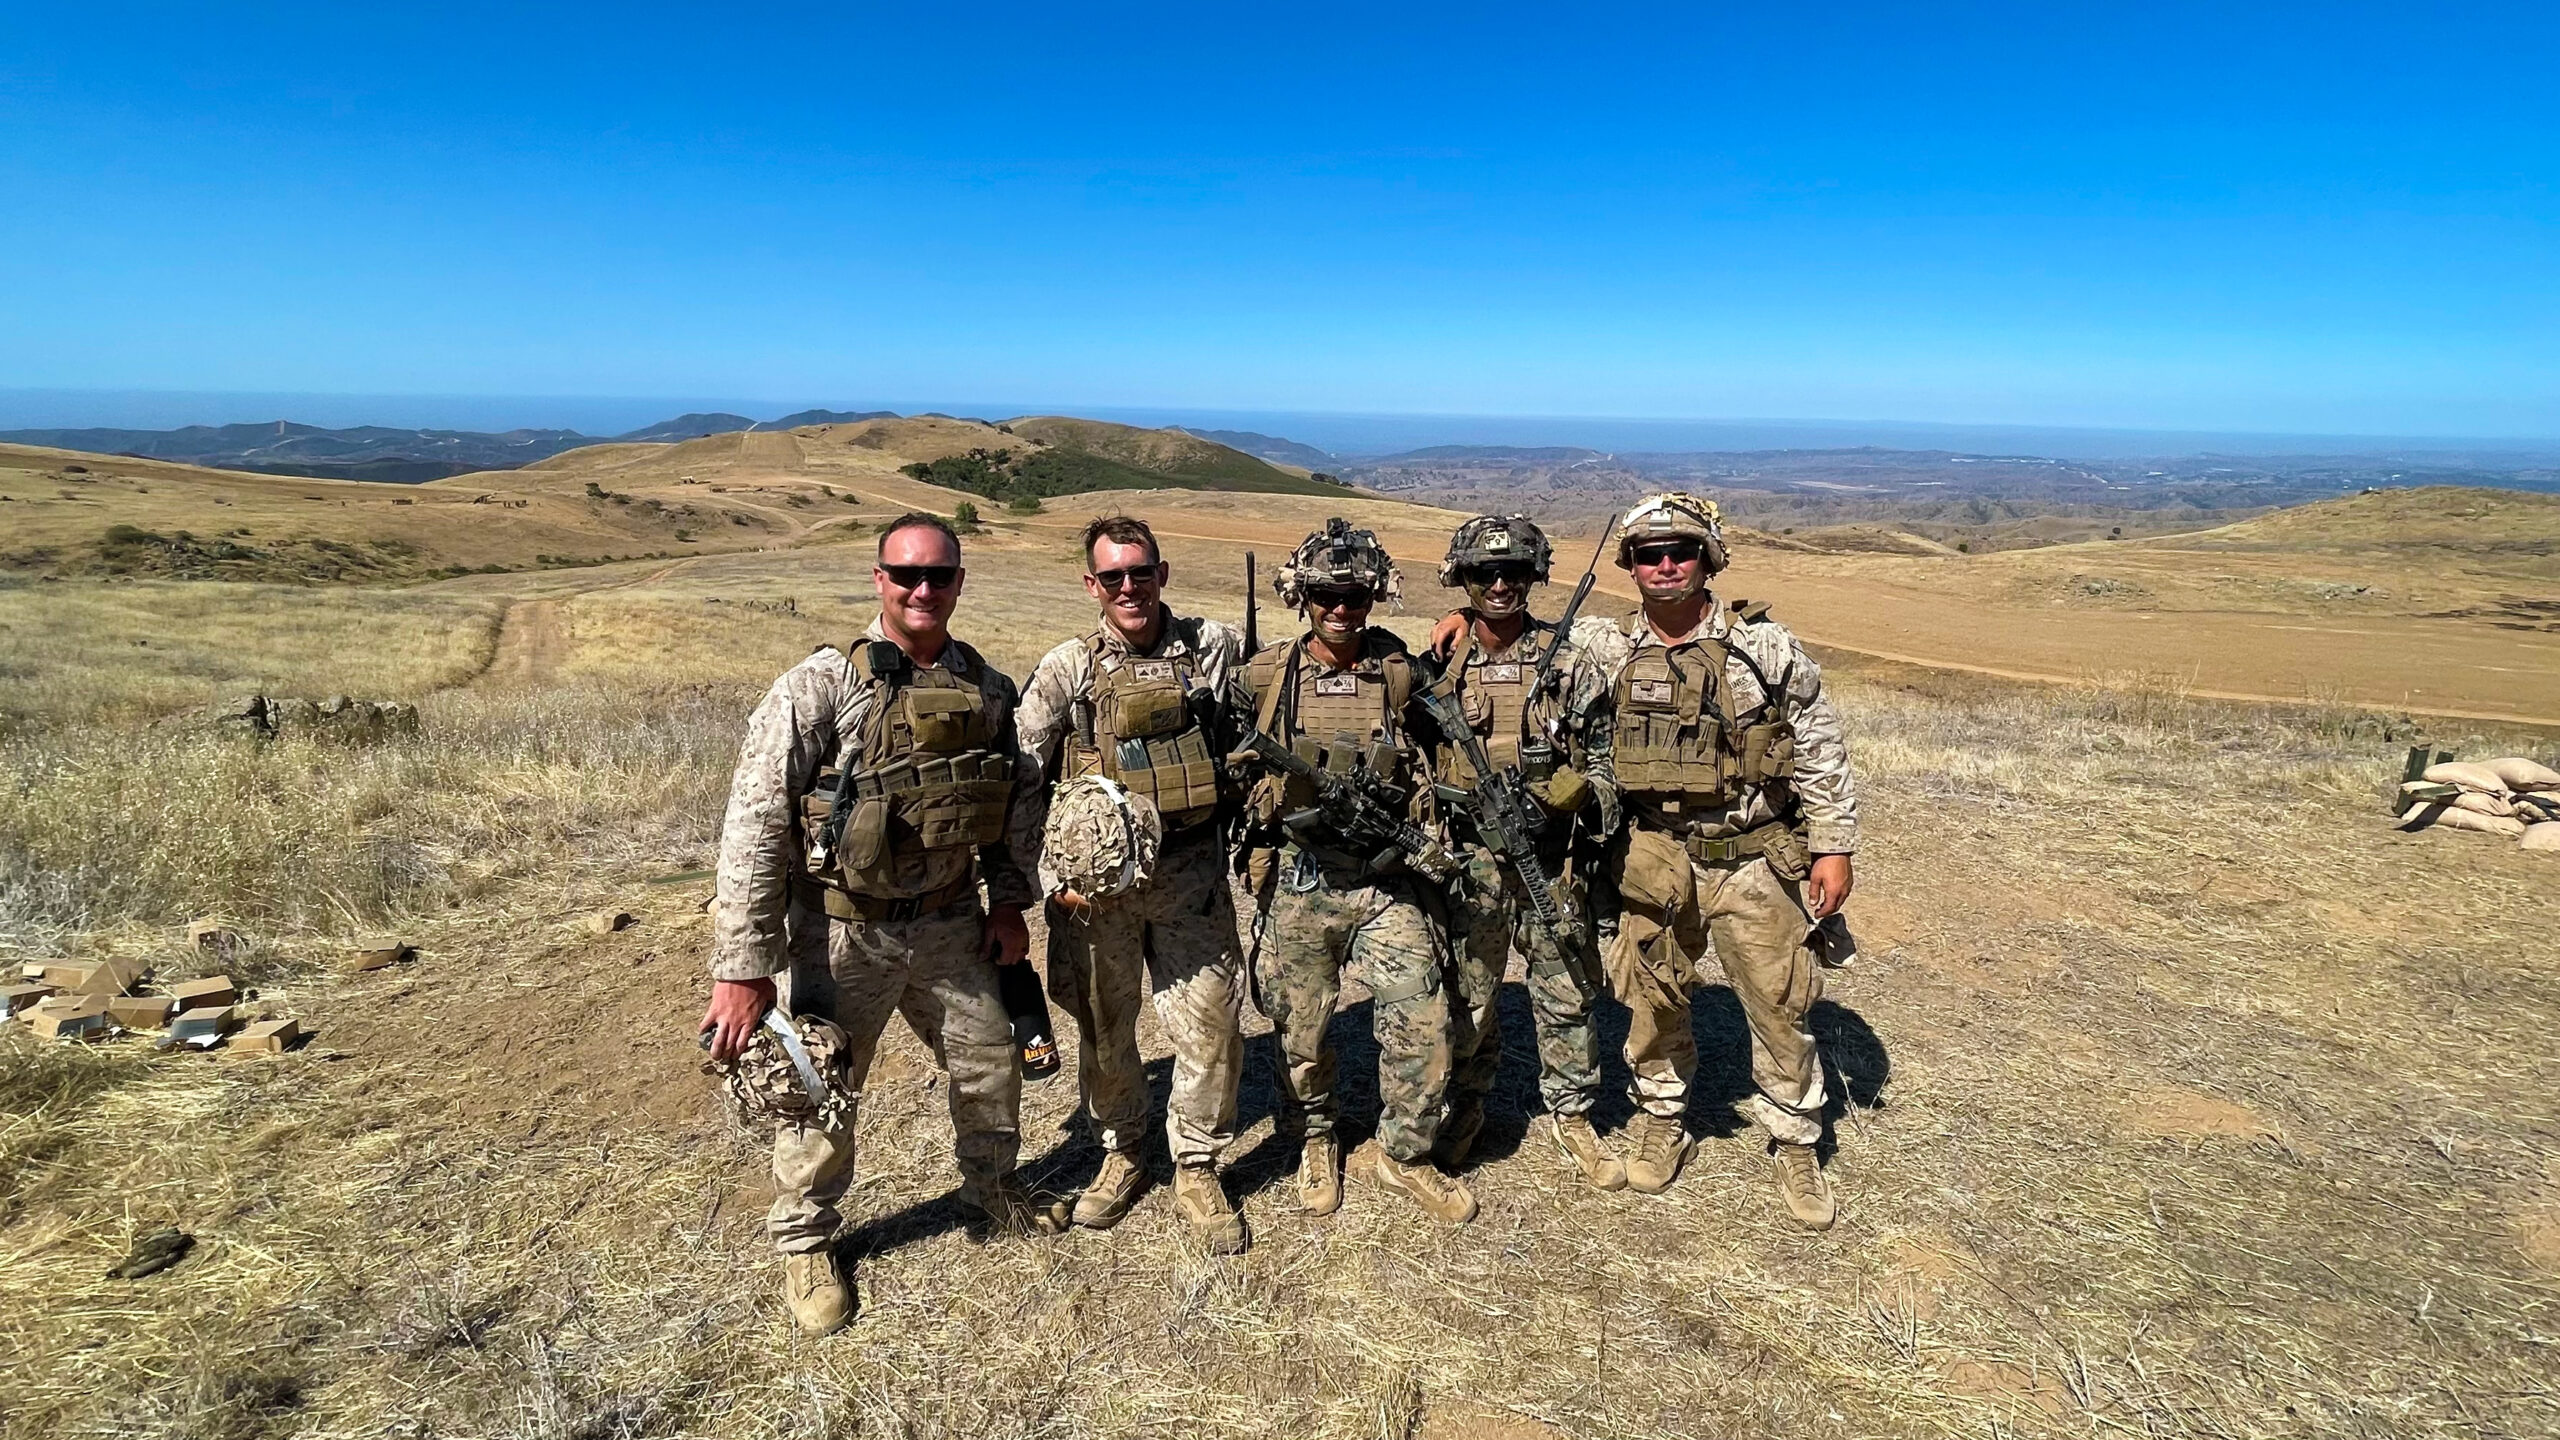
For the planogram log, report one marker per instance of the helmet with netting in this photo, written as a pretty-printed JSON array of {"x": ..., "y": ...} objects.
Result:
[
  {"x": 1101, "y": 840},
  {"x": 1337, "y": 555},
  {"x": 767, "y": 1082},
  {"x": 1673, "y": 515},
  {"x": 1492, "y": 540}
]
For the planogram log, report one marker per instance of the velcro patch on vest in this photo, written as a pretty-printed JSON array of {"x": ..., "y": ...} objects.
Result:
[
  {"x": 1506, "y": 673},
  {"x": 1342, "y": 684},
  {"x": 1649, "y": 692},
  {"x": 1151, "y": 670}
]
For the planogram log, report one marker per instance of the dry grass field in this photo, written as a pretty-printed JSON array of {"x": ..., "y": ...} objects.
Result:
[{"x": 2179, "y": 1095}]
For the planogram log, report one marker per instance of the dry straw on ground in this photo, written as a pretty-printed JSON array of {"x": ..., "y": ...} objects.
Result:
[{"x": 2179, "y": 1096}]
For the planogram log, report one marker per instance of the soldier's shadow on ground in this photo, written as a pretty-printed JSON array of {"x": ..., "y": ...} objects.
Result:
[{"x": 1856, "y": 1064}]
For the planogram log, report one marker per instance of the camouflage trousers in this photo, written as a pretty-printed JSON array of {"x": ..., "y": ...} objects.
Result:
[
  {"x": 1308, "y": 939},
  {"x": 1754, "y": 920},
  {"x": 1561, "y": 985},
  {"x": 859, "y": 973},
  {"x": 1173, "y": 938}
]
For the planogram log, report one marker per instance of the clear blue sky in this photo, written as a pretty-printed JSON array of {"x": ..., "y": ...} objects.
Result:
[{"x": 2315, "y": 218}]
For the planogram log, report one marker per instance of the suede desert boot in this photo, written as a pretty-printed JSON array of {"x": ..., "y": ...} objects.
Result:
[
  {"x": 1661, "y": 1147},
  {"x": 820, "y": 1301},
  {"x": 1803, "y": 1186},
  {"x": 1122, "y": 1179},
  {"x": 1203, "y": 1204},
  {"x": 1320, "y": 1175},
  {"x": 1581, "y": 1144},
  {"x": 1441, "y": 1195}
]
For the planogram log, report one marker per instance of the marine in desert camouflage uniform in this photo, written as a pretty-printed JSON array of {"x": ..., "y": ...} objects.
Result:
[
  {"x": 889, "y": 920},
  {"x": 1742, "y": 817},
  {"x": 1340, "y": 696},
  {"x": 1557, "y": 733},
  {"x": 1142, "y": 699}
]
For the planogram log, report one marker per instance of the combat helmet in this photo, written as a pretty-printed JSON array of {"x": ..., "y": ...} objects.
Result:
[
  {"x": 793, "y": 1069},
  {"x": 1337, "y": 555},
  {"x": 1101, "y": 840},
  {"x": 1488, "y": 539},
  {"x": 1673, "y": 515}
]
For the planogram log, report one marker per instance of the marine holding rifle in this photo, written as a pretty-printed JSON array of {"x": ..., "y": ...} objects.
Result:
[
  {"x": 1142, "y": 702},
  {"x": 876, "y": 788},
  {"x": 1524, "y": 757},
  {"x": 1346, "y": 862}
]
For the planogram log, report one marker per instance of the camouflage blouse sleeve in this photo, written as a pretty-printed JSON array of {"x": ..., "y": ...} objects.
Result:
[
  {"x": 1591, "y": 713},
  {"x": 1825, "y": 787},
  {"x": 790, "y": 738}
]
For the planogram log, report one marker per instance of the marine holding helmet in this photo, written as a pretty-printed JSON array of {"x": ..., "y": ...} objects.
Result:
[
  {"x": 1132, "y": 712},
  {"x": 1341, "y": 698}
]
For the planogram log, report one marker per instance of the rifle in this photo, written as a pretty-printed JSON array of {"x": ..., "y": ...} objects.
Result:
[
  {"x": 1252, "y": 633},
  {"x": 1507, "y": 818},
  {"x": 1361, "y": 807},
  {"x": 1539, "y": 752}
]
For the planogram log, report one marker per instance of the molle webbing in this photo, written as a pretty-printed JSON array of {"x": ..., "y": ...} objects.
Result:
[{"x": 1144, "y": 732}]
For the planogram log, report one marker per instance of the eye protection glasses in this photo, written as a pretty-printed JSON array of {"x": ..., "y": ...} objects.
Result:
[
  {"x": 1356, "y": 597},
  {"x": 1133, "y": 577},
  {"x": 1519, "y": 573},
  {"x": 909, "y": 577},
  {"x": 1678, "y": 552}
]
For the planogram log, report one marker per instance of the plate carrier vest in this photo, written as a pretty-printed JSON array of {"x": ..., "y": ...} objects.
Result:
[
  {"x": 927, "y": 774},
  {"x": 1495, "y": 697},
  {"x": 1678, "y": 746},
  {"x": 1339, "y": 720},
  {"x": 1136, "y": 726}
]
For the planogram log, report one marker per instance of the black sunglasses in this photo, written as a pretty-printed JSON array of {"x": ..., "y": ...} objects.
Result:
[
  {"x": 908, "y": 577},
  {"x": 1678, "y": 552},
  {"x": 1134, "y": 575},
  {"x": 1357, "y": 597},
  {"x": 1518, "y": 572}
]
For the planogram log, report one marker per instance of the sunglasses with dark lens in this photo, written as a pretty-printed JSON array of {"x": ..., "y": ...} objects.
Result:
[
  {"x": 1515, "y": 571},
  {"x": 1358, "y": 597},
  {"x": 1135, "y": 575},
  {"x": 908, "y": 577},
  {"x": 1678, "y": 552}
]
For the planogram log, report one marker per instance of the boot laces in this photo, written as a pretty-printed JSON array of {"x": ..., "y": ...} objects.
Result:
[
  {"x": 1796, "y": 1166},
  {"x": 1661, "y": 1139}
]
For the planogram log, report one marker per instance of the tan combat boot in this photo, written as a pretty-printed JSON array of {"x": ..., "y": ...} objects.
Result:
[
  {"x": 1803, "y": 1186},
  {"x": 1441, "y": 1195},
  {"x": 1008, "y": 1209},
  {"x": 1661, "y": 1147},
  {"x": 1582, "y": 1145},
  {"x": 1458, "y": 1134},
  {"x": 1116, "y": 1187},
  {"x": 820, "y": 1301},
  {"x": 1320, "y": 1175},
  {"x": 1203, "y": 1204}
]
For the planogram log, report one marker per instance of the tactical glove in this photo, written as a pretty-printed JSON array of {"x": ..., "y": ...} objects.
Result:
[{"x": 1565, "y": 792}]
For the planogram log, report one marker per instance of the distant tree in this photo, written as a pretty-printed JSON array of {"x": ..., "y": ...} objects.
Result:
[
  {"x": 1327, "y": 479},
  {"x": 965, "y": 517},
  {"x": 1024, "y": 504}
]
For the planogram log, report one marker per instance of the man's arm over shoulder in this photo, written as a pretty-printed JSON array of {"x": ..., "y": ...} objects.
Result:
[
  {"x": 1048, "y": 702},
  {"x": 790, "y": 738}
]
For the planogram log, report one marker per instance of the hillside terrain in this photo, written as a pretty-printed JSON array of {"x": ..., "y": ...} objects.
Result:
[{"x": 2142, "y": 1119}]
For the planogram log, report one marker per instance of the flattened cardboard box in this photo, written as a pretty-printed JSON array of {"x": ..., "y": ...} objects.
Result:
[
  {"x": 87, "y": 1016},
  {"x": 20, "y": 997},
  {"x": 107, "y": 978},
  {"x": 267, "y": 1037},
  {"x": 212, "y": 992},
  {"x": 203, "y": 1028},
  {"x": 141, "y": 1012}
]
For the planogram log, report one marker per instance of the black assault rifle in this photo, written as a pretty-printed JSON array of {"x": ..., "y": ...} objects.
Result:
[
  {"x": 1252, "y": 632},
  {"x": 1362, "y": 807}
]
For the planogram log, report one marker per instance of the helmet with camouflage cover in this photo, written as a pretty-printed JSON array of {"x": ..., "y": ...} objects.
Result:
[
  {"x": 1673, "y": 515},
  {"x": 1337, "y": 555},
  {"x": 1101, "y": 840},
  {"x": 1491, "y": 539},
  {"x": 793, "y": 1069}
]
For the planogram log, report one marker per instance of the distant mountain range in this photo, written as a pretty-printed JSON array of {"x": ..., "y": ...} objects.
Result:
[
  {"x": 1269, "y": 447},
  {"x": 376, "y": 452}
]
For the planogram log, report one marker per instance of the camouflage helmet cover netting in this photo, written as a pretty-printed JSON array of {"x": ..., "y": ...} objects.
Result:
[
  {"x": 1491, "y": 538},
  {"x": 1673, "y": 515},
  {"x": 1101, "y": 840},
  {"x": 1337, "y": 555},
  {"x": 764, "y": 1084}
]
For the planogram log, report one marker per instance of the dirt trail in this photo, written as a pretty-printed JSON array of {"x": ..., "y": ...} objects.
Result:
[{"x": 532, "y": 640}]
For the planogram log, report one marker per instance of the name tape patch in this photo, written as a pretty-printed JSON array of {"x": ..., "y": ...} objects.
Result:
[
  {"x": 1344, "y": 684},
  {"x": 1649, "y": 692}
]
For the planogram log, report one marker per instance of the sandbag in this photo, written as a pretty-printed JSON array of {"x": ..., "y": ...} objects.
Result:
[
  {"x": 2523, "y": 774},
  {"x": 2468, "y": 774},
  {"x": 2481, "y": 804},
  {"x": 2545, "y": 836},
  {"x": 2446, "y": 817}
]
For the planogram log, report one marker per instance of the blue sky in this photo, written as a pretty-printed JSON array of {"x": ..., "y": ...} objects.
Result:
[{"x": 2315, "y": 219}]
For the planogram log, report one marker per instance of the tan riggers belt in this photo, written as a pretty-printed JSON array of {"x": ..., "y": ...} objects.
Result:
[
  {"x": 1734, "y": 771},
  {"x": 1326, "y": 909},
  {"x": 889, "y": 921},
  {"x": 1096, "y": 707},
  {"x": 1551, "y": 731}
]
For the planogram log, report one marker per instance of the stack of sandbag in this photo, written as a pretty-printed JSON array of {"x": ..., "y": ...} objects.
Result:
[{"x": 2515, "y": 798}]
